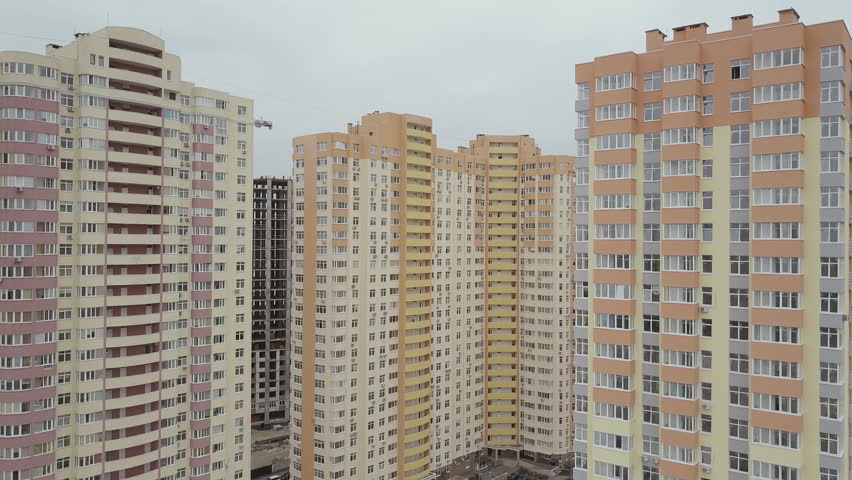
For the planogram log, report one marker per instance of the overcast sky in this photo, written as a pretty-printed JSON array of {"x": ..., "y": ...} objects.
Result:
[{"x": 473, "y": 66}]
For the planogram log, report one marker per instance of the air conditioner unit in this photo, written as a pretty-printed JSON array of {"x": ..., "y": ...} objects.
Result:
[
  {"x": 51, "y": 147},
  {"x": 67, "y": 130},
  {"x": 69, "y": 237},
  {"x": 705, "y": 469},
  {"x": 185, "y": 144},
  {"x": 705, "y": 405},
  {"x": 19, "y": 189},
  {"x": 71, "y": 87},
  {"x": 705, "y": 308},
  {"x": 18, "y": 259},
  {"x": 70, "y": 109},
  {"x": 244, "y": 152}
]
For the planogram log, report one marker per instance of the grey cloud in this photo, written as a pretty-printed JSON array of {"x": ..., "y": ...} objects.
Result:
[{"x": 473, "y": 66}]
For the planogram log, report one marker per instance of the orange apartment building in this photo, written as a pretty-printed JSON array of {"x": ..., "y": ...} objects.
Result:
[
  {"x": 431, "y": 301},
  {"x": 712, "y": 252}
]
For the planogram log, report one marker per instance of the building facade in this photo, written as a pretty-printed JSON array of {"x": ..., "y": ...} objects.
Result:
[
  {"x": 430, "y": 301},
  {"x": 711, "y": 336},
  {"x": 124, "y": 232},
  {"x": 270, "y": 307}
]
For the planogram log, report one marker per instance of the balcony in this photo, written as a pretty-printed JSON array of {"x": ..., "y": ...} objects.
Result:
[
  {"x": 135, "y": 118},
  {"x": 134, "y": 198},
  {"x": 138, "y": 178},
  {"x": 134, "y": 138},
  {"x": 144, "y": 259},
  {"x": 131, "y": 56},
  {"x": 135, "y": 158}
]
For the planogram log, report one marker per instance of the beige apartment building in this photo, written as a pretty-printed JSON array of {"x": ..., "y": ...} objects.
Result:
[
  {"x": 125, "y": 252},
  {"x": 431, "y": 301},
  {"x": 712, "y": 336}
]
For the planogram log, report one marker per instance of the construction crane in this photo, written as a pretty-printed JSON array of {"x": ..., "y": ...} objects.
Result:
[{"x": 263, "y": 123}]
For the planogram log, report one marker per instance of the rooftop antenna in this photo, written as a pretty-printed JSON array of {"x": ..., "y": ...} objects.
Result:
[{"x": 260, "y": 123}]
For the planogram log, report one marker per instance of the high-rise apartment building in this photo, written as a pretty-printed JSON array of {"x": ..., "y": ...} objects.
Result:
[
  {"x": 431, "y": 301},
  {"x": 270, "y": 305},
  {"x": 712, "y": 229},
  {"x": 124, "y": 252}
]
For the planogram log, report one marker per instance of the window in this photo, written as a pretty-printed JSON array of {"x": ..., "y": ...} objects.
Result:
[
  {"x": 778, "y": 58},
  {"x": 651, "y": 262},
  {"x": 676, "y": 73},
  {"x": 739, "y": 232},
  {"x": 615, "y": 82},
  {"x": 830, "y": 267},
  {"x": 739, "y": 297},
  {"x": 707, "y": 105},
  {"x": 651, "y": 172},
  {"x": 829, "y": 372},
  {"x": 739, "y": 199},
  {"x": 740, "y": 102},
  {"x": 775, "y": 299},
  {"x": 706, "y": 232},
  {"x": 777, "y": 161},
  {"x": 651, "y": 323},
  {"x": 707, "y": 264},
  {"x": 651, "y": 414},
  {"x": 739, "y": 265},
  {"x": 707, "y": 169},
  {"x": 739, "y": 330},
  {"x": 830, "y": 126},
  {"x": 831, "y": 56},
  {"x": 739, "y": 396},
  {"x": 740, "y": 69},
  {"x": 829, "y": 443},
  {"x": 775, "y": 403},
  {"x": 679, "y": 231},
  {"x": 707, "y": 200},
  {"x": 652, "y": 142},
  {"x": 674, "y": 168},
  {"x": 777, "y": 196},
  {"x": 776, "y": 265},
  {"x": 652, "y": 111},
  {"x": 826, "y": 473},
  {"x": 738, "y": 428},
  {"x": 778, "y": 127},
  {"x": 680, "y": 136},
  {"x": 708, "y": 137},
  {"x": 829, "y": 337},
  {"x": 650, "y": 293},
  {"x": 830, "y": 162},
  {"x": 739, "y": 167},
  {"x": 583, "y": 119},
  {"x": 831, "y": 91},
  {"x": 651, "y": 354},
  {"x": 614, "y": 111},
  {"x": 651, "y": 232},
  {"x": 686, "y": 103},
  {"x": 738, "y": 362},
  {"x": 829, "y": 232},
  {"x": 740, "y": 135},
  {"x": 830, "y": 197},
  {"x": 653, "y": 81},
  {"x": 614, "y": 142},
  {"x": 780, "y": 92},
  {"x": 707, "y": 73},
  {"x": 829, "y": 407},
  {"x": 829, "y": 302},
  {"x": 706, "y": 328}
]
